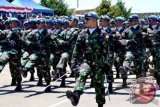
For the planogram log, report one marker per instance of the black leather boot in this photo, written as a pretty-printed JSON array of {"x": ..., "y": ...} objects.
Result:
[
  {"x": 32, "y": 77},
  {"x": 117, "y": 75},
  {"x": 73, "y": 96},
  {"x": 24, "y": 72},
  {"x": 110, "y": 89},
  {"x": 13, "y": 82},
  {"x": 18, "y": 87},
  {"x": 124, "y": 84},
  {"x": 100, "y": 105},
  {"x": 40, "y": 82},
  {"x": 63, "y": 82}
]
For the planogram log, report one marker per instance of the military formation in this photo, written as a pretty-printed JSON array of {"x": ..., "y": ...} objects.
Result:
[{"x": 87, "y": 46}]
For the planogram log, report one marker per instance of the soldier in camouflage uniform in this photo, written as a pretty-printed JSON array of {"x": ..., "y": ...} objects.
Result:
[
  {"x": 104, "y": 23},
  {"x": 119, "y": 43},
  {"x": 67, "y": 39},
  {"x": 152, "y": 40},
  {"x": 5, "y": 49},
  {"x": 39, "y": 55},
  {"x": 135, "y": 49},
  {"x": 30, "y": 50},
  {"x": 4, "y": 53},
  {"x": 43, "y": 68},
  {"x": 91, "y": 50},
  {"x": 55, "y": 53},
  {"x": 14, "y": 37},
  {"x": 29, "y": 26}
]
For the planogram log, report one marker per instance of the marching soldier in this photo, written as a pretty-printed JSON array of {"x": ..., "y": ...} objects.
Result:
[
  {"x": 14, "y": 37},
  {"x": 119, "y": 44},
  {"x": 29, "y": 26},
  {"x": 153, "y": 43},
  {"x": 135, "y": 49},
  {"x": 91, "y": 50},
  {"x": 68, "y": 39}
]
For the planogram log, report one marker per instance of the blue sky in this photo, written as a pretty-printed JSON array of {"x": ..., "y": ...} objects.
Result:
[{"x": 137, "y": 5}]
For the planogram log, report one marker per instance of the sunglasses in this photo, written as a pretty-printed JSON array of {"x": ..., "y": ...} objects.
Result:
[{"x": 87, "y": 19}]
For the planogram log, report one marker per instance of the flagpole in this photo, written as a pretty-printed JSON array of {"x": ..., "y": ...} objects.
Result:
[{"x": 77, "y": 3}]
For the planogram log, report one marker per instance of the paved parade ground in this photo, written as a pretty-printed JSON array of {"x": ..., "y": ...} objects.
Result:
[{"x": 34, "y": 96}]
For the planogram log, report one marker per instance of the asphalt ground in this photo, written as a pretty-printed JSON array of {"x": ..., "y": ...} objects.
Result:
[{"x": 34, "y": 96}]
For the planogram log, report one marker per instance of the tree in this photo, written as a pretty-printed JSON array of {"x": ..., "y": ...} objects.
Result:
[
  {"x": 60, "y": 8},
  {"x": 118, "y": 9},
  {"x": 104, "y": 7},
  {"x": 10, "y": 0},
  {"x": 123, "y": 10}
]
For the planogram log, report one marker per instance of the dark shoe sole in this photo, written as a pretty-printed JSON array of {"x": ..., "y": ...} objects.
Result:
[
  {"x": 18, "y": 88},
  {"x": 70, "y": 96},
  {"x": 39, "y": 84},
  {"x": 24, "y": 74},
  {"x": 48, "y": 89}
]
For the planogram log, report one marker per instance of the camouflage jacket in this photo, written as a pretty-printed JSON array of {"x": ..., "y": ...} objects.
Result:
[
  {"x": 91, "y": 48},
  {"x": 68, "y": 38}
]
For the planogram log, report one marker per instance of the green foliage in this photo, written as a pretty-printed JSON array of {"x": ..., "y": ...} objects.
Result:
[
  {"x": 10, "y": 0},
  {"x": 104, "y": 7},
  {"x": 60, "y": 8},
  {"x": 118, "y": 9}
]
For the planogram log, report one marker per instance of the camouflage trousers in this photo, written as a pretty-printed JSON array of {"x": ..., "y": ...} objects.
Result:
[
  {"x": 28, "y": 61},
  {"x": 43, "y": 68},
  {"x": 118, "y": 60},
  {"x": 97, "y": 75},
  {"x": 14, "y": 65},
  {"x": 156, "y": 62},
  {"x": 61, "y": 66},
  {"x": 135, "y": 60},
  {"x": 4, "y": 58}
]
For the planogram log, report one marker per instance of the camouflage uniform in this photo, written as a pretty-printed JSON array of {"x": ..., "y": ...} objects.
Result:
[
  {"x": 135, "y": 52},
  {"x": 67, "y": 39},
  {"x": 92, "y": 51},
  {"x": 119, "y": 48},
  {"x": 43, "y": 67},
  {"x": 30, "y": 50},
  {"x": 14, "y": 37},
  {"x": 4, "y": 50},
  {"x": 152, "y": 40}
]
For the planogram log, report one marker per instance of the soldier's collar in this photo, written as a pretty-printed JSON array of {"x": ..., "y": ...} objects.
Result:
[
  {"x": 105, "y": 28},
  {"x": 15, "y": 28},
  {"x": 154, "y": 26},
  {"x": 135, "y": 26},
  {"x": 119, "y": 28}
]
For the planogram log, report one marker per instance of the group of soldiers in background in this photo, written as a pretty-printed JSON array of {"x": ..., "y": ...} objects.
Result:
[{"x": 90, "y": 45}]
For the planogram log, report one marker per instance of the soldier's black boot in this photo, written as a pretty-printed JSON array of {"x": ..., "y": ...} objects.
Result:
[
  {"x": 117, "y": 75},
  {"x": 100, "y": 105},
  {"x": 63, "y": 82},
  {"x": 48, "y": 88},
  {"x": 73, "y": 96},
  {"x": 13, "y": 82},
  {"x": 124, "y": 84},
  {"x": 18, "y": 87},
  {"x": 32, "y": 77},
  {"x": 23, "y": 72},
  {"x": 40, "y": 82},
  {"x": 110, "y": 89},
  {"x": 92, "y": 83}
]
